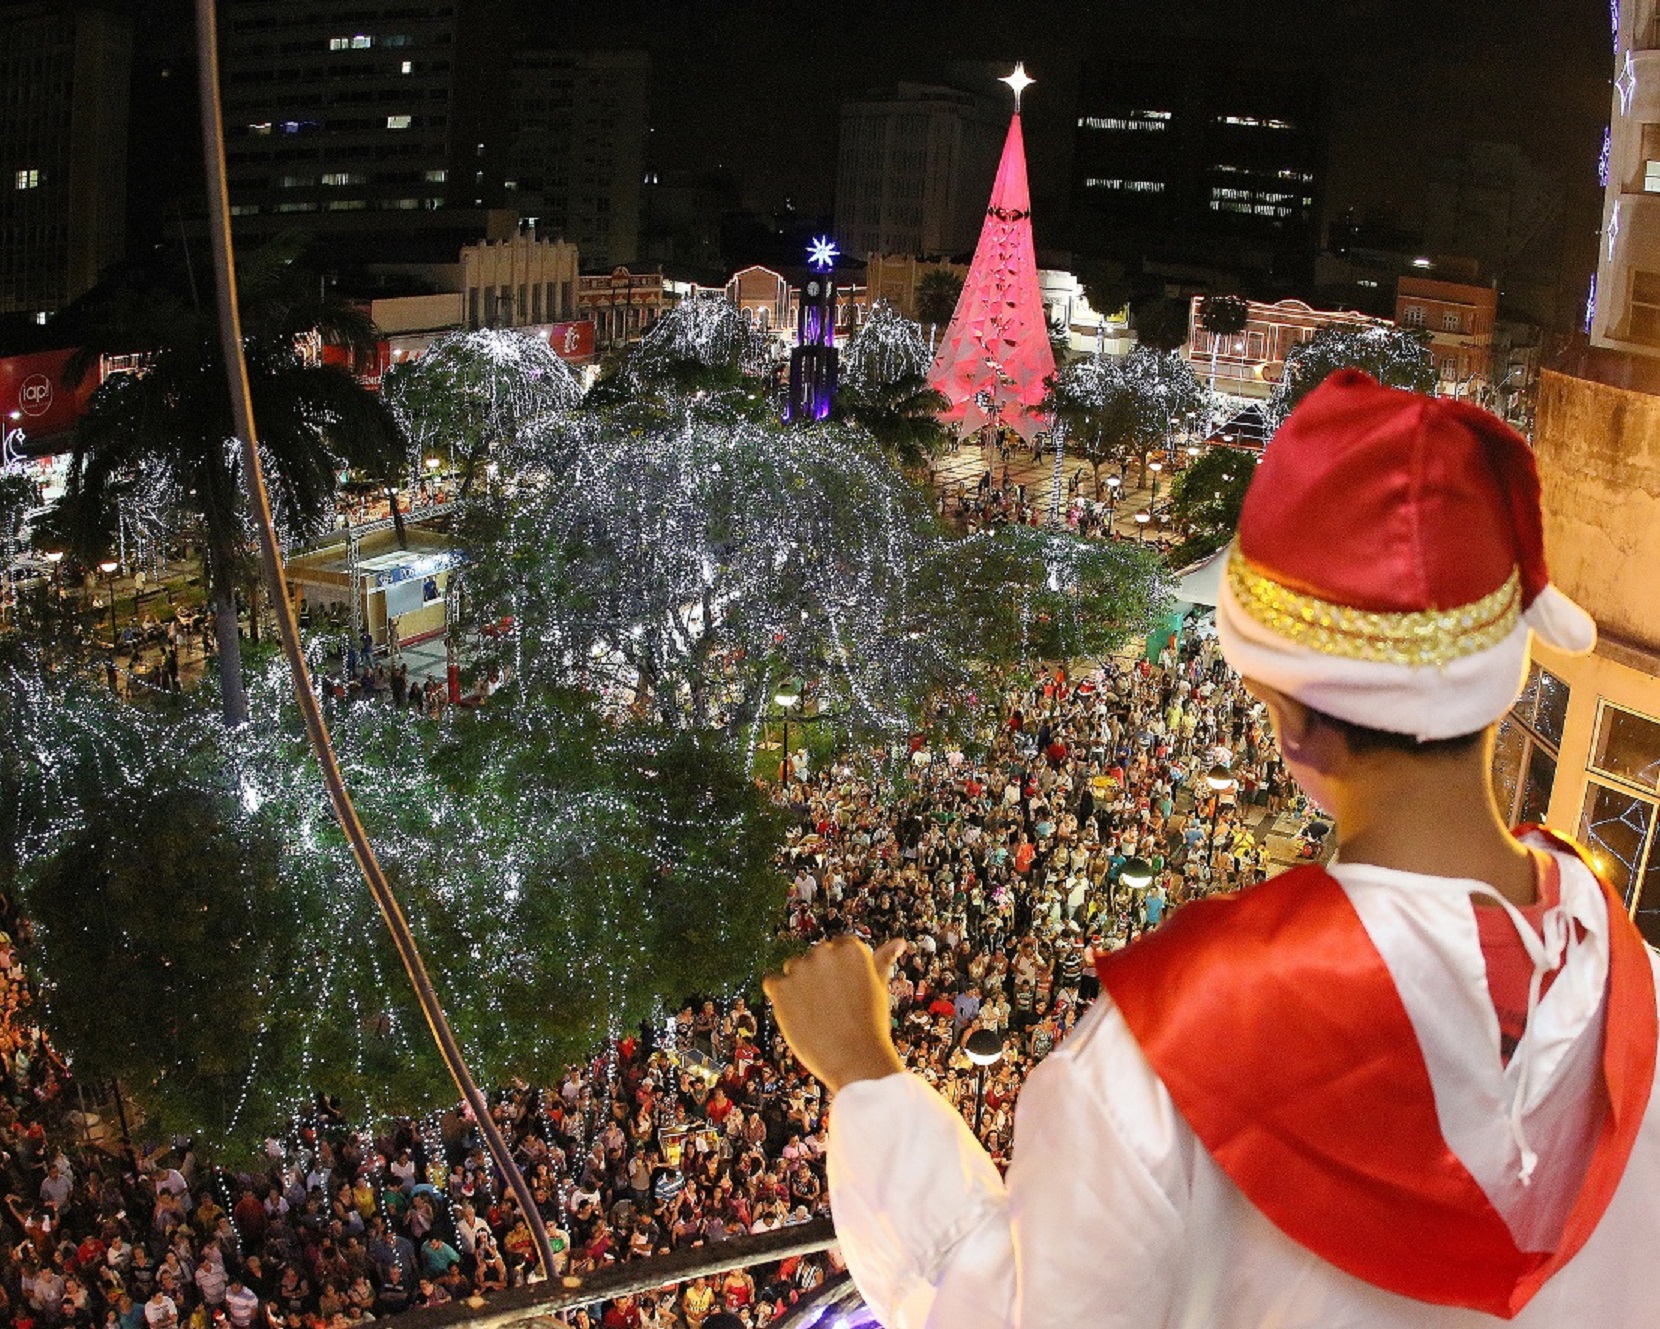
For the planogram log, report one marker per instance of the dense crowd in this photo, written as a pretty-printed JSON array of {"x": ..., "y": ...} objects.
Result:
[{"x": 1000, "y": 871}]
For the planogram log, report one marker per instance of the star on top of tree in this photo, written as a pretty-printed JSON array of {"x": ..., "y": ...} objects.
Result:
[{"x": 1018, "y": 82}]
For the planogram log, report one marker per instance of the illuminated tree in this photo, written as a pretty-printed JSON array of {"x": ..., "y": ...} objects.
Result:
[
  {"x": 884, "y": 386},
  {"x": 471, "y": 391},
  {"x": 1206, "y": 498},
  {"x": 1396, "y": 357},
  {"x": 1119, "y": 411}
]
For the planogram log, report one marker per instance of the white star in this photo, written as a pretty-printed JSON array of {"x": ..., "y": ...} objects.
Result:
[
  {"x": 1018, "y": 82},
  {"x": 822, "y": 253}
]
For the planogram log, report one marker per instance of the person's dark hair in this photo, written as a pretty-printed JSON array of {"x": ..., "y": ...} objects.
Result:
[{"x": 1362, "y": 740}]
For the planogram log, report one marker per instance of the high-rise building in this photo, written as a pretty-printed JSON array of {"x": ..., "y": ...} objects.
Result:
[
  {"x": 1200, "y": 160},
  {"x": 1625, "y": 312},
  {"x": 65, "y": 74},
  {"x": 913, "y": 167},
  {"x": 363, "y": 120},
  {"x": 575, "y": 157}
]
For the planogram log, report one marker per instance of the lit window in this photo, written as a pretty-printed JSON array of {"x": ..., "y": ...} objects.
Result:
[
  {"x": 343, "y": 178},
  {"x": 264, "y": 127},
  {"x": 398, "y": 122},
  {"x": 408, "y": 67},
  {"x": 340, "y": 43},
  {"x": 1254, "y": 122},
  {"x": 509, "y": 184},
  {"x": 1414, "y": 316},
  {"x": 362, "y": 43},
  {"x": 40, "y": 318},
  {"x": 400, "y": 204},
  {"x": 244, "y": 209},
  {"x": 1451, "y": 323},
  {"x": 1651, "y": 177},
  {"x": 1133, "y": 122},
  {"x": 345, "y": 205},
  {"x": 29, "y": 179},
  {"x": 438, "y": 177}
]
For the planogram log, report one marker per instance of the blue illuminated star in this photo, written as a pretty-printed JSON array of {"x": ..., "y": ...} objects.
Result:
[{"x": 822, "y": 253}]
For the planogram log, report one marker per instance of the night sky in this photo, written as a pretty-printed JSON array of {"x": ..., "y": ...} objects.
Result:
[{"x": 755, "y": 86}]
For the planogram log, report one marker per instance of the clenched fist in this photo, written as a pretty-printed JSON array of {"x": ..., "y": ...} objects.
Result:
[{"x": 832, "y": 1006}]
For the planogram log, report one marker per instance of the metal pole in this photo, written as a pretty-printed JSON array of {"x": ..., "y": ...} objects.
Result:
[
  {"x": 230, "y": 332},
  {"x": 979, "y": 1100}
]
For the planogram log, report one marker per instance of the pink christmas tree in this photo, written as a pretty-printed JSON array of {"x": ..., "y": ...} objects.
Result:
[{"x": 995, "y": 355}]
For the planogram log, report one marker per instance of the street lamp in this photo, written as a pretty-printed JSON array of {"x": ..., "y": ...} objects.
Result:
[
  {"x": 108, "y": 569},
  {"x": 1141, "y": 519},
  {"x": 984, "y": 1049},
  {"x": 786, "y": 699},
  {"x": 1113, "y": 483},
  {"x": 1218, "y": 778}
]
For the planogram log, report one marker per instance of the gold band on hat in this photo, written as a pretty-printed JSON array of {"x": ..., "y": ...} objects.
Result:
[{"x": 1418, "y": 637}]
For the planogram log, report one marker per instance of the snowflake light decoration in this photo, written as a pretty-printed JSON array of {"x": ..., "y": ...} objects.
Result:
[{"x": 822, "y": 253}]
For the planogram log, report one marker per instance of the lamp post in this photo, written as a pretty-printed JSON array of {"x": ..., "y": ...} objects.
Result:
[
  {"x": 1141, "y": 519},
  {"x": 1137, "y": 873},
  {"x": 1218, "y": 779},
  {"x": 984, "y": 1049},
  {"x": 786, "y": 699},
  {"x": 108, "y": 569},
  {"x": 1112, "y": 500},
  {"x": 1155, "y": 467}
]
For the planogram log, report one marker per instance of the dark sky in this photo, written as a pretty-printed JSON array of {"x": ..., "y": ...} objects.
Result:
[{"x": 755, "y": 86}]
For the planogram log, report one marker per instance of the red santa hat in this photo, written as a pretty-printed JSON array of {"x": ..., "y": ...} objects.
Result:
[{"x": 1390, "y": 563}]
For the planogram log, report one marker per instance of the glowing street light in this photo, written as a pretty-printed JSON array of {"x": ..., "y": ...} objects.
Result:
[{"x": 985, "y": 1049}]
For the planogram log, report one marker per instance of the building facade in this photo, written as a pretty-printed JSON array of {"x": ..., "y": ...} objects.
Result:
[
  {"x": 1582, "y": 747},
  {"x": 65, "y": 74},
  {"x": 1199, "y": 160},
  {"x": 1250, "y": 363},
  {"x": 1624, "y": 311},
  {"x": 913, "y": 167},
  {"x": 575, "y": 156},
  {"x": 622, "y": 305},
  {"x": 1459, "y": 319},
  {"x": 362, "y": 118},
  {"x": 526, "y": 280}
]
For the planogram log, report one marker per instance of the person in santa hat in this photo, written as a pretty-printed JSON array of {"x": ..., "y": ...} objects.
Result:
[{"x": 1410, "y": 1089}]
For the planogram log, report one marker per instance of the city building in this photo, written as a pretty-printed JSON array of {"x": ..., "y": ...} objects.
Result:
[
  {"x": 364, "y": 123},
  {"x": 1250, "y": 363},
  {"x": 913, "y": 167},
  {"x": 524, "y": 280},
  {"x": 1459, "y": 319},
  {"x": 1200, "y": 160},
  {"x": 768, "y": 299},
  {"x": 622, "y": 305},
  {"x": 896, "y": 277},
  {"x": 65, "y": 72},
  {"x": 575, "y": 155},
  {"x": 1624, "y": 309},
  {"x": 1073, "y": 324},
  {"x": 1581, "y": 749},
  {"x": 681, "y": 216}
]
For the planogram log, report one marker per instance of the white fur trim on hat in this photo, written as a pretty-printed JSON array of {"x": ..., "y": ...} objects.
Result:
[
  {"x": 1426, "y": 701},
  {"x": 1562, "y": 623}
]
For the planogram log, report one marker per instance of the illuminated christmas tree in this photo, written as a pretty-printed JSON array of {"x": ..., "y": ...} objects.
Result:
[{"x": 996, "y": 355}]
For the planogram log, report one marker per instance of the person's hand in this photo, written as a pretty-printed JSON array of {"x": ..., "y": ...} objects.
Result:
[{"x": 832, "y": 1007}]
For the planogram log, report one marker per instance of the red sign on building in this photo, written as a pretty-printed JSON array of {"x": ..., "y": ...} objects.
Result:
[{"x": 35, "y": 398}]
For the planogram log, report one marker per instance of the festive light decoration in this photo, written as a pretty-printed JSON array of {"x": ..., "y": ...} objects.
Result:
[
  {"x": 998, "y": 340},
  {"x": 822, "y": 253},
  {"x": 1396, "y": 357},
  {"x": 1119, "y": 411},
  {"x": 886, "y": 349}
]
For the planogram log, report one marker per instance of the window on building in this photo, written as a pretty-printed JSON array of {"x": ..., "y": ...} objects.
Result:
[
  {"x": 1643, "y": 320},
  {"x": 263, "y": 127},
  {"x": 437, "y": 177},
  {"x": 30, "y": 178},
  {"x": 472, "y": 306},
  {"x": 398, "y": 121},
  {"x": 1452, "y": 322},
  {"x": 1528, "y": 745},
  {"x": 1651, "y": 159},
  {"x": 1617, "y": 821},
  {"x": 408, "y": 67},
  {"x": 1413, "y": 317}
]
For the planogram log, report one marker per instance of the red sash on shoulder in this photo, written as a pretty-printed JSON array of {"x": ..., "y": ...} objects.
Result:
[{"x": 1273, "y": 1022}]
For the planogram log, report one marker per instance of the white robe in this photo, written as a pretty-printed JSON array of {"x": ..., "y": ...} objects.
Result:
[{"x": 1115, "y": 1217}]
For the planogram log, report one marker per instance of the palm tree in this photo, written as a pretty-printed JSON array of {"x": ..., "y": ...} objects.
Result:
[{"x": 164, "y": 433}]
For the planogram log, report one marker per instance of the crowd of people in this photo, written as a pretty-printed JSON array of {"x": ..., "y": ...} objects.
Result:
[{"x": 1085, "y": 818}]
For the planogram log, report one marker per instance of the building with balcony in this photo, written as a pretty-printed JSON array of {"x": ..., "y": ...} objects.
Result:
[
  {"x": 1625, "y": 302},
  {"x": 622, "y": 305},
  {"x": 914, "y": 164},
  {"x": 65, "y": 73},
  {"x": 1251, "y": 362}
]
